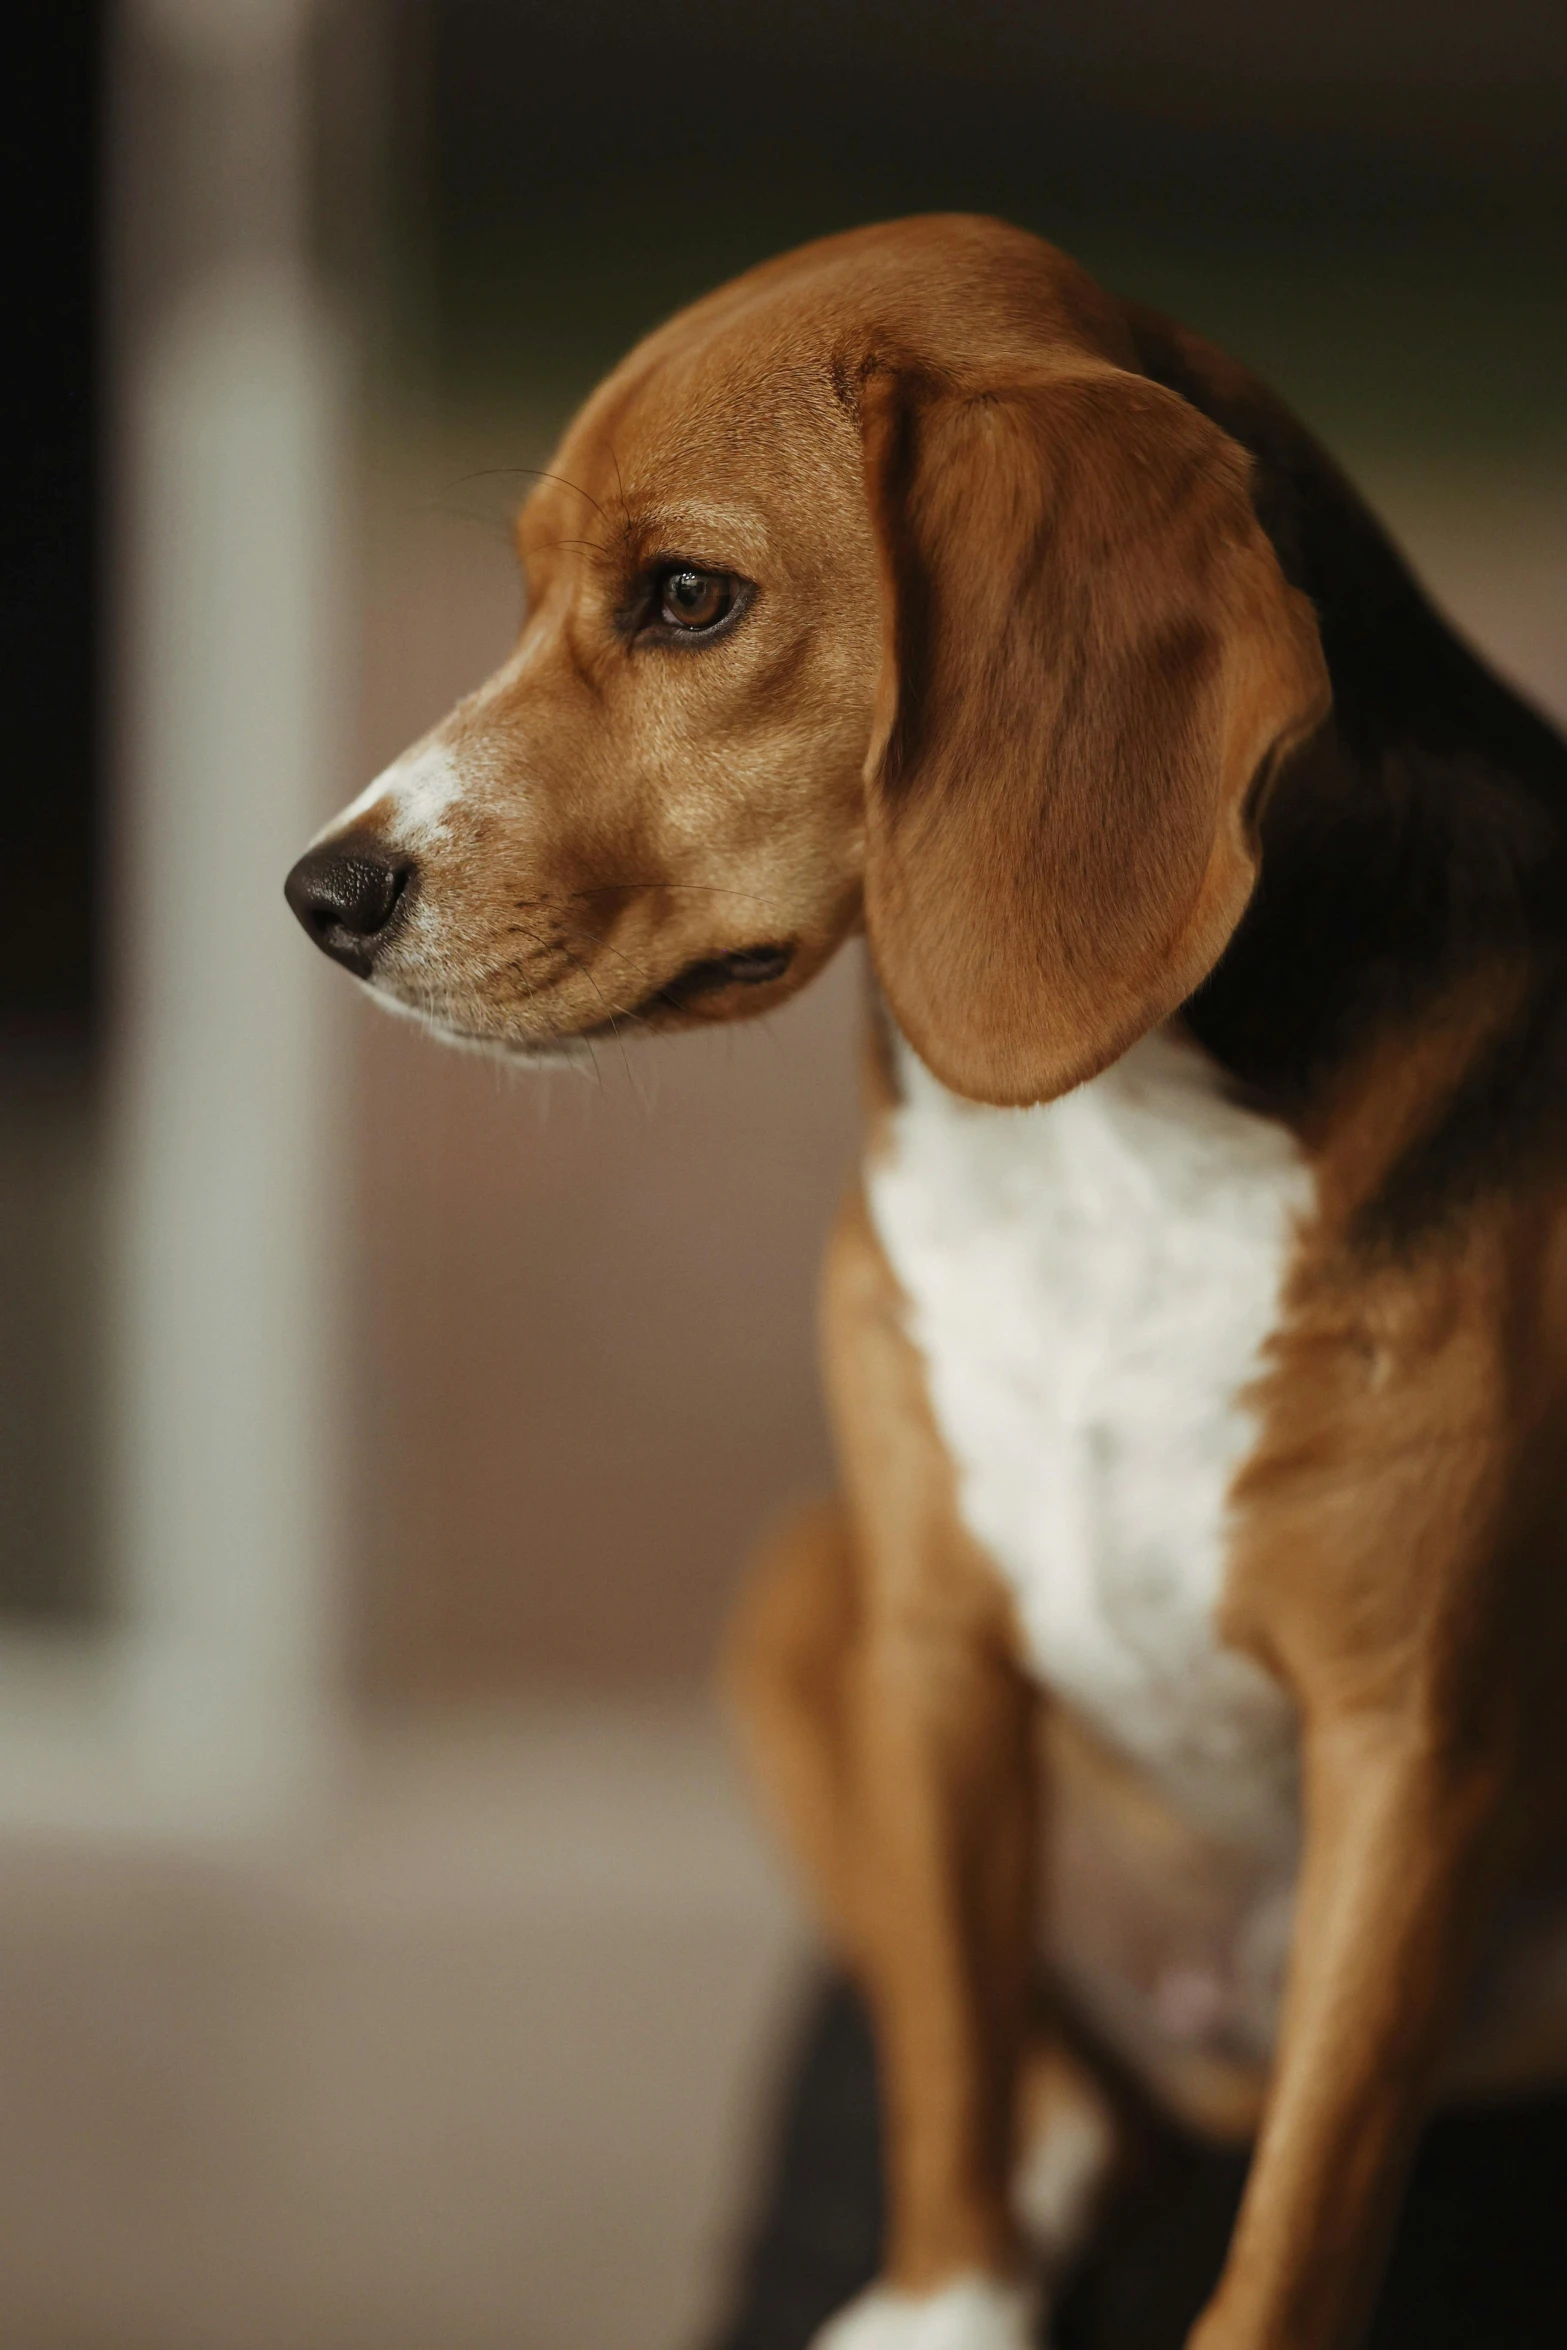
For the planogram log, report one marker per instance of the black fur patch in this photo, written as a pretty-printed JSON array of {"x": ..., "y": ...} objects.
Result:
[{"x": 1422, "y": 833}]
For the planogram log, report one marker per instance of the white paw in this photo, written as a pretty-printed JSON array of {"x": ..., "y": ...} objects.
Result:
[
  {"x": 1059, "y": 2181},
  {"x": 972, "y": 2313}
]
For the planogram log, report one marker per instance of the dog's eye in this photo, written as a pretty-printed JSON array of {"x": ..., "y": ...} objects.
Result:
[{"x": 692, "y": 599}]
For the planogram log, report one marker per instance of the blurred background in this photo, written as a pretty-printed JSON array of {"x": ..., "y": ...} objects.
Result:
[{"x": 386, "y": 1954}]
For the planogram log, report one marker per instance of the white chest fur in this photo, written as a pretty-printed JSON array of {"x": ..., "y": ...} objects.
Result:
[{"x": 1090, "y": 1283}]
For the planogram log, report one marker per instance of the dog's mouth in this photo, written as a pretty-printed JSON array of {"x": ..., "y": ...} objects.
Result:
[
  {"x": 712, "y": 975},
  {"x": 741, "y": 967},
  {"x": 700, "y": 981}
]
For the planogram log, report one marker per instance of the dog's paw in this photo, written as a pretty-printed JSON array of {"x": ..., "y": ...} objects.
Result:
[
  {"x": 1065, "y": 2162},
  {"x": 971, "y": 2313}
]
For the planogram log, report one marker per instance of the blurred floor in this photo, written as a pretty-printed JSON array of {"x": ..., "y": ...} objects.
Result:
[{"x": 468, "y": 2059}]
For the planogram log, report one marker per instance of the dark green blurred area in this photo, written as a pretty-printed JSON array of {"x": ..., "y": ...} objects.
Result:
[{"x": 1391, "y": 252}]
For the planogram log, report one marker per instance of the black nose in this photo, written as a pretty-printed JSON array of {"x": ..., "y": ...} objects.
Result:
[{"x": 345, "y": 895}]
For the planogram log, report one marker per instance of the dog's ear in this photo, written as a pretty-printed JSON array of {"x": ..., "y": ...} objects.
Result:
[{"x": 1092, "y": 662}]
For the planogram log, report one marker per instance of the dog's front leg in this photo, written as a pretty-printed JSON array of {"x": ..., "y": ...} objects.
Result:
[
  {"x": 939, "y": 1789},
  {"x": 1396, "y": 1872}
]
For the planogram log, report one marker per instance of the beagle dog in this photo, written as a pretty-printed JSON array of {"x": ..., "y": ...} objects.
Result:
[{"x": 1176, "y": 1693}]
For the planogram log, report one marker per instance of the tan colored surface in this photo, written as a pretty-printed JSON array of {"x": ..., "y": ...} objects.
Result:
[{"x": 470, "y": 2059}]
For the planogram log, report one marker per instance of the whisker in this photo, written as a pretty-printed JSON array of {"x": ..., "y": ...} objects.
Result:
[
  {"x": 531, "y": 473},
  {"x": 614, "y": 1018},
  {"x": 638, "y": 970},
  {"x": 620, "y": 492}
]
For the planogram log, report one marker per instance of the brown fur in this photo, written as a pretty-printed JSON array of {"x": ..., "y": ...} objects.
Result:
[{"x": 1045, "y": 601}]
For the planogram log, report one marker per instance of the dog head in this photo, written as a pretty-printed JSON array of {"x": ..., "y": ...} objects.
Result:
[{"x": 878, "y": 587}]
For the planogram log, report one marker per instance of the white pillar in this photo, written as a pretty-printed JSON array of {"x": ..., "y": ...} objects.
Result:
[{"x": 225, "y": 1464}]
